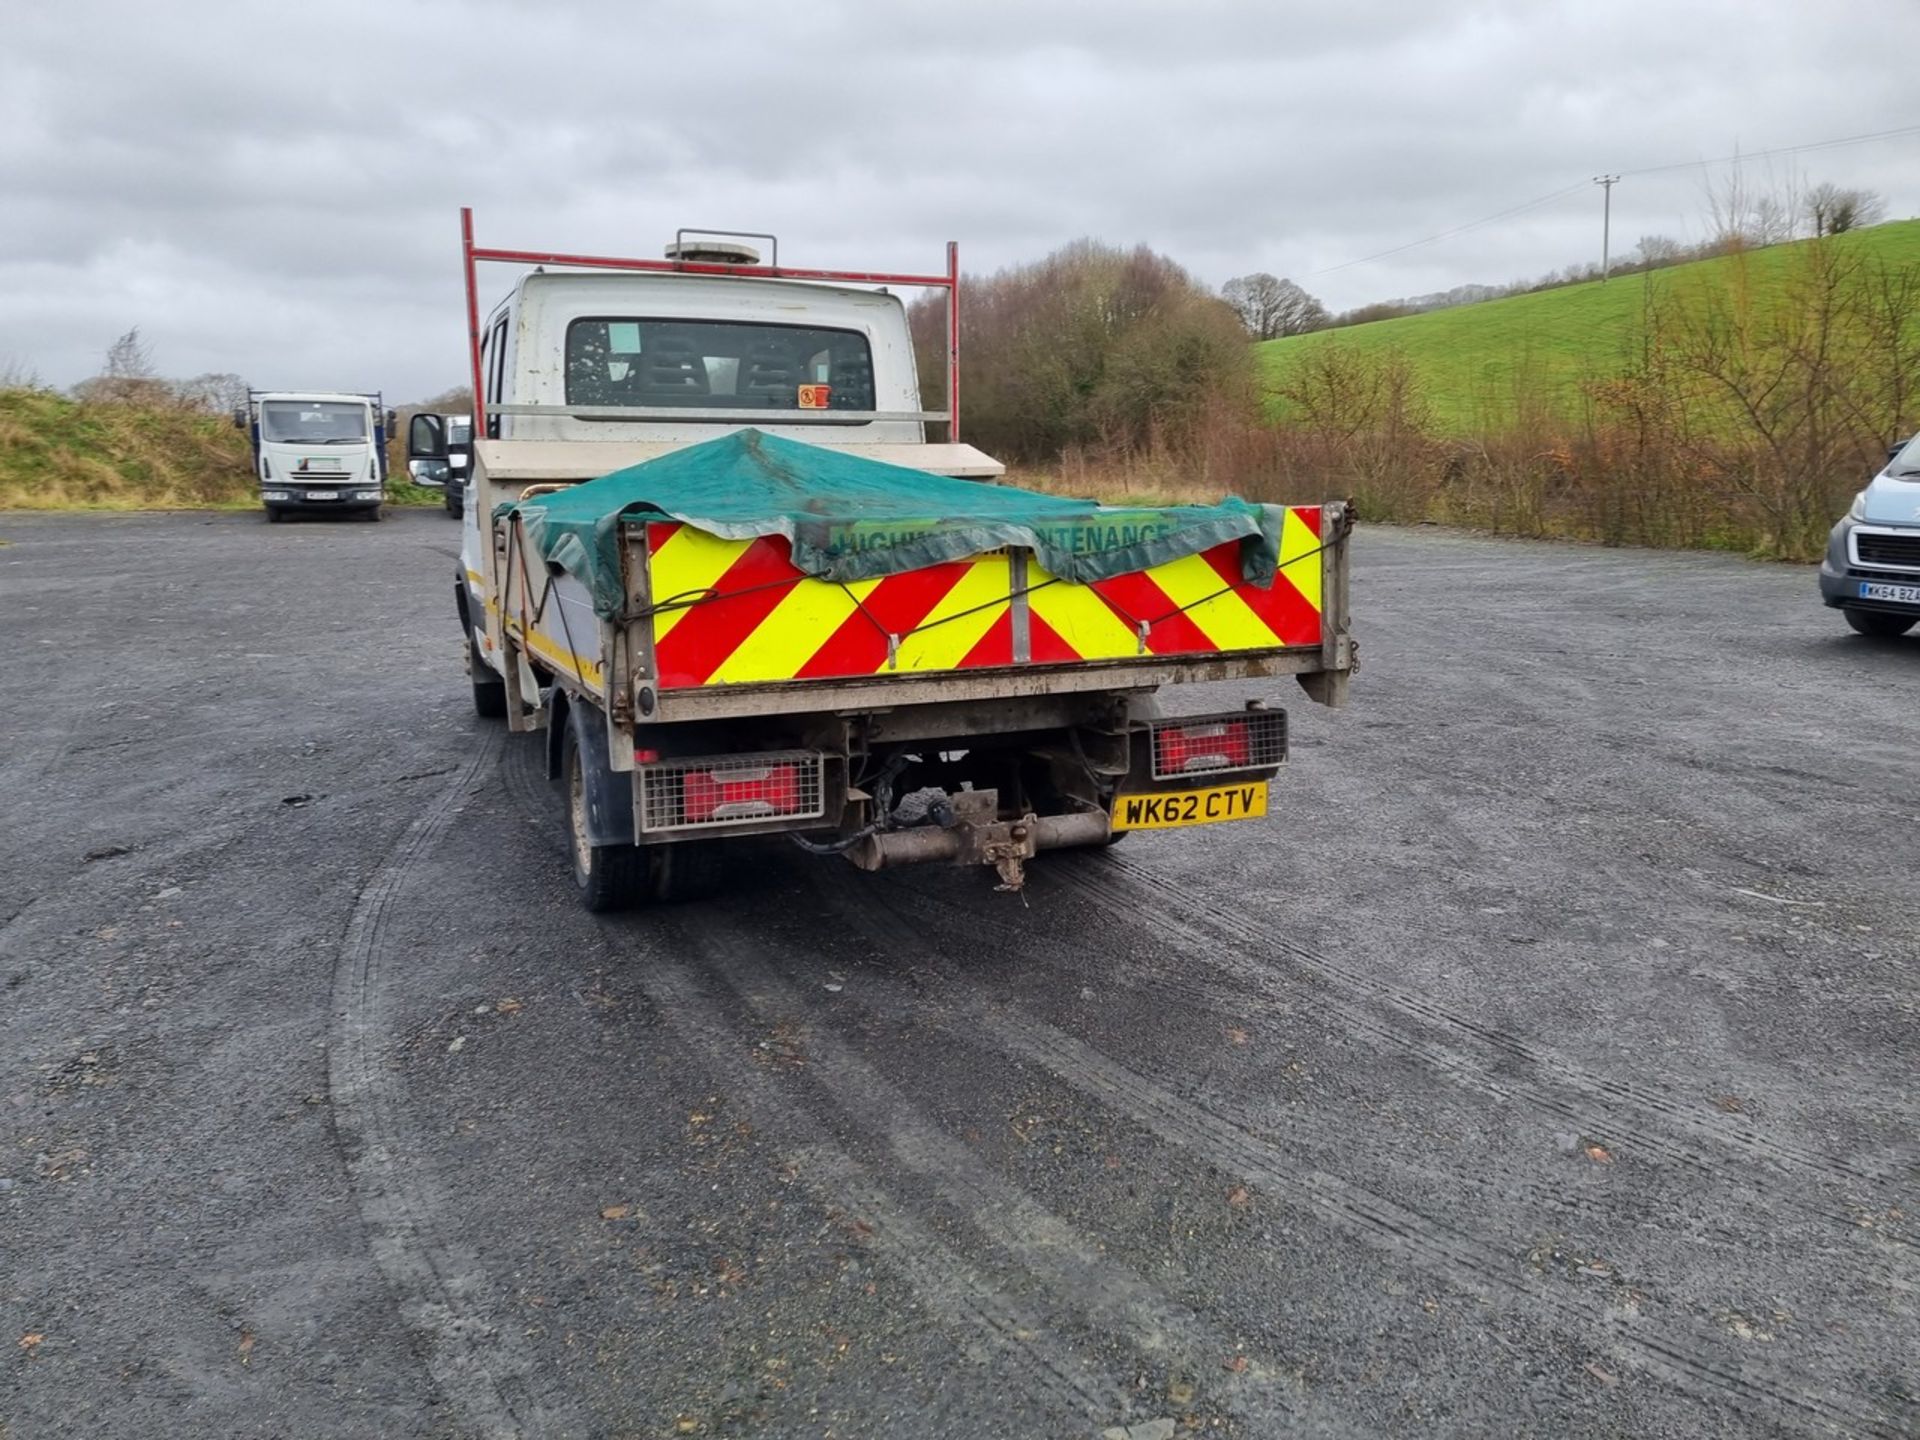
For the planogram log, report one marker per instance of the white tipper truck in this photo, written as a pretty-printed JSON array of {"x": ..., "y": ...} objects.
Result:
[{"x": 703, "y": 678}]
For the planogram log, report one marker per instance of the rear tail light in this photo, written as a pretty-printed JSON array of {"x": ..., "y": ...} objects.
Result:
[
  {"x": 729, "y": 790},
  {"x": 710, "y": 795},
  {"x": 1247, "y": 740}
]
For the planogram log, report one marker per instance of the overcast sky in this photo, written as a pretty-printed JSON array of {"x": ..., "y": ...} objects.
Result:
[{"x": 273, "y": 190}]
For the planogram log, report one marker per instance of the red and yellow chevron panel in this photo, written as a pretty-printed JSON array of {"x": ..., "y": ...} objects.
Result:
[{"x": 736, "y": 612}]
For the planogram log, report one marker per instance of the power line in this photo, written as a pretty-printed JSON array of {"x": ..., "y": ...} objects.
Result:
[
  {"x": 1781, "y": 150},
  {"x": 1456, "y": 230},
  {"x": 1535, "y": 204}
]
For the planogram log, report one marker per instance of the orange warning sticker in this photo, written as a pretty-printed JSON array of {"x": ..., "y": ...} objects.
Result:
[{"x": 815, "y": 397}]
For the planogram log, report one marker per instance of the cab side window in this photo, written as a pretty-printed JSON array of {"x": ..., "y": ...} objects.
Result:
[{"x": 493, "y": 354}]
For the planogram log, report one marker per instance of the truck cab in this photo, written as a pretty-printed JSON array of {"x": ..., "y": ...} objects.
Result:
[
  {"x": 317, "y": 452},
  {"x": 642, "y": 364}
]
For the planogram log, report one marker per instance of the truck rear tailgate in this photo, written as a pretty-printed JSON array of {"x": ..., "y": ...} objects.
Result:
[{"x": 726, "y": 613}]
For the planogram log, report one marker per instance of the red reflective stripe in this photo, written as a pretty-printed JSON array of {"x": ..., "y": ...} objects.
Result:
[
  {"x": 1283, "y": 609},
  {"x": 714, "y": 628},
  {"x": 1134, "y": 597},
  {"x": 993, "y": 648},
  {"x": 1045, "y": 644},
  {"x": 659, "y": 532},
  {"x": 898, "y": 603}
]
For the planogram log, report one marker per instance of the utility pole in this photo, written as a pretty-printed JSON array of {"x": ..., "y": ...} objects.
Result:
[{"x": 1606, "y": 184}]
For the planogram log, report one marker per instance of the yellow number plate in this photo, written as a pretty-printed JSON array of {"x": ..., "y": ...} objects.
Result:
[{"x": 1171, "y": 809}]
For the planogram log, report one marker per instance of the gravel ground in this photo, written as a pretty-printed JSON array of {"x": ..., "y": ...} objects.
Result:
[{"x": 1545, "y": 1065}]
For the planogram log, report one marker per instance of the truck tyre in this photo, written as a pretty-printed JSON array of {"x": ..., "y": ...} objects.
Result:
[
  {"x": 489, "y": 690},
  {"x": 609, "y": 877},
  {"x": 275, "y": 514},
  {"x": 1879, "y": 623}
]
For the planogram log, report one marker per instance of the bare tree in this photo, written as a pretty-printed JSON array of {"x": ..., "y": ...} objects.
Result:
[
  {"x": 128, "y": 377},
  {"x": 1657, "y": 250},
  {"x": 18, "y": 375},
  {"x": 129, "y": 358},
  {"x": 1834, "y": 210},
  {"x": 217, "y": 393},
  {"x": 1270, "y": 307},
  {"x": 1746, "y": 215}
]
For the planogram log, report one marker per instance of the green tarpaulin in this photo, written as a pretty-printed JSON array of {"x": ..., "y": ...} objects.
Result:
[{"x": 850, "y": 518}]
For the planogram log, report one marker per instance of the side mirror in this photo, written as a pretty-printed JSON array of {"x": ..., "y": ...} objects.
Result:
[
  {"x": 393, "y": 422},
  {"x": 427, "y": 437},
  {"x": 239, "y": 419}
]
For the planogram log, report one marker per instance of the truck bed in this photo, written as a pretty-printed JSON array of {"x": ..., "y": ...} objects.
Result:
[{"x": 718, "y": 628}]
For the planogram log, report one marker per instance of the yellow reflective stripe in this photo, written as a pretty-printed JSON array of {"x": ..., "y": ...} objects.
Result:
[
  {"x": 937, "y": 646},
  {"x": 1296, "y": 540},
  {"x": 800, "y": 624},
  {"x": 1223, "y": 617},
  {"x": 563, "y": 660},
  {"x": 1081, "y": 617},
  {"x": 687, "y": 566}
]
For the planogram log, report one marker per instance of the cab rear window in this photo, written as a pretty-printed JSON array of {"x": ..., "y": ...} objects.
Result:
[{"x": 717, "y": 365}]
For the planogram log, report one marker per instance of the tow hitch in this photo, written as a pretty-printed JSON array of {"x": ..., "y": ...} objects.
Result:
[{"x": 969, "y": 833}]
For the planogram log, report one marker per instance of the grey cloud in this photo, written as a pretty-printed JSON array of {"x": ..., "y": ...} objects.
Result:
[{"x": 274, "y": 191}]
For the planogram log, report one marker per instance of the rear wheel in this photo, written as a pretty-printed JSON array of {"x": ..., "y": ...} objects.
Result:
[
  {"x": 621, "y": 876},
  {"x": 1880, "y": 623},
  {"x": 489, "y": 690},
  {"x": 609, "y": 877}
]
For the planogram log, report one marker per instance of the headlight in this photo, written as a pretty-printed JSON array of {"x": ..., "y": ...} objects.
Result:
[
  {"x": 366, "y": 494},
  {"x": 276, "y": 495},
  {"x": 1858, "y": 510}
]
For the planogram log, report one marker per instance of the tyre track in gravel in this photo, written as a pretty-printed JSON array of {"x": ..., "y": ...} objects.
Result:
[
  {"x": 987, "y": 1325},
  {"x": 1077, "y": 1275},
  {"x": 1694, "y": 1359},
  {"x": 443, "y": 1297},
  {"x": 1200, "y": 984},
  {"x": 1603, "y": 1108}
]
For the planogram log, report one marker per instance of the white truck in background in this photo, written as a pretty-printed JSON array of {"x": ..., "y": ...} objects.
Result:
[{"x": 318, "y": 451}]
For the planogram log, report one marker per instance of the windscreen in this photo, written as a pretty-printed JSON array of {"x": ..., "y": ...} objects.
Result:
[
  {"x": 1907, "y": 463},
  {"x": 313, "y": 422},
  {"x": 718, "y": 365}
]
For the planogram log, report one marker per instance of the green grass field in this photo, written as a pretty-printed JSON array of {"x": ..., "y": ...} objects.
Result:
[
  {"x": 1476, "y": 362},
  {"x": 57, "y": 454}
]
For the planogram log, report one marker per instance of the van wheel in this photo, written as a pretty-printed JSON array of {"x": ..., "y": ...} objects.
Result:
[
  {"x": 275, "y": 514},
  {"x": 609, "y": 877},
  {"x": 489, "y": 690},
  {"x": 1879, "y": 623}
]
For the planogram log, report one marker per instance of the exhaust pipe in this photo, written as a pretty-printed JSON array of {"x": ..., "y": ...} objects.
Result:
[{"x": 988, "y": 844}]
